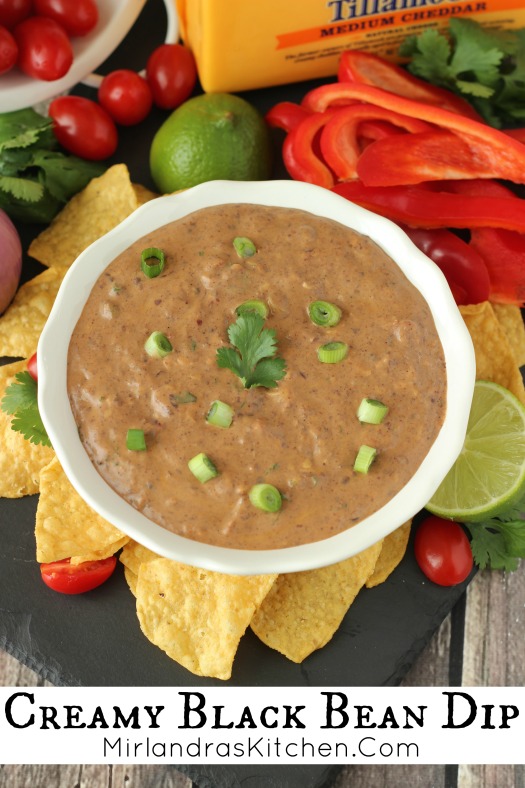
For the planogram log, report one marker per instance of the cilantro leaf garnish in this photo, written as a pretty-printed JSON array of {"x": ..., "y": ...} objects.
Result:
[
  {"x": 252, "y": 360},
  {"x": 20, "y": 401}
]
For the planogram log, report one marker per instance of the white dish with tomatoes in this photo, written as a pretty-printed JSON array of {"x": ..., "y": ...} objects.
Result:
[{"x": 55, "y": 52}]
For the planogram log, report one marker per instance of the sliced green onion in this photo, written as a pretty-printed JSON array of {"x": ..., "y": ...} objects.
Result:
[
  {"x": 158, "y": 345},
  {"x": 220, "y": 414},
  {"x": 202, "y": 468},
  {"x": 244, "y": 247},
  {"x": 253, "y": 306},
  {"x": 135, "y": 440},
  {"x": 332, "y": 352},
  {"x": 371, "y": 411},
  {"x": 152, "y": 261},
  {"x": 365, "y": 457},
  {"x": 323, "y": 313},
  {"x": 266, "y": 497}
]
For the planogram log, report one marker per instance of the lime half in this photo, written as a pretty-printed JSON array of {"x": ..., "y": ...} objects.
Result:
[{"x": 489, "y": 474}]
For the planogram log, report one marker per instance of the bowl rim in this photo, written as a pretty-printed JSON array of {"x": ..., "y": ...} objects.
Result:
[{"x": 423, "y": 273}]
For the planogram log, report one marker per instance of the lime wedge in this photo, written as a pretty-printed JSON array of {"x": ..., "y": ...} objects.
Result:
[{"x": 489, "y": 474}]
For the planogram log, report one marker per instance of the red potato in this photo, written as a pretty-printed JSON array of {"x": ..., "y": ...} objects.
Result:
[{"x": 10, "y": 261}]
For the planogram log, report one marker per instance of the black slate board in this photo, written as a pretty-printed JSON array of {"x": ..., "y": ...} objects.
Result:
[{"x": 95, "y": 639}]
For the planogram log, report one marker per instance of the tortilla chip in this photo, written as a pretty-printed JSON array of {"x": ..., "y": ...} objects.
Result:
[
  {"x": 98, "y": 555},
  {"x": 22, "y": 323},
  {"x": 89, "y": 215},
  {"x": 495, "y": 360},
  {"x": 197, "y": 617},
  {"x": 131, "y": 580},
  {"x": 20, "y": 461},
  {"x": 66, "y": 526},
  {"x": 143, "y": 194},
  {"x": 392, "y": 552},
  {"x": 511, "y": 320},
  {"x": 303, "y": 610},
  {"x": 135, "y": 554}
]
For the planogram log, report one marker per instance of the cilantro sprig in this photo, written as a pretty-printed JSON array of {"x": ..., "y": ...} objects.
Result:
[
  {"x": 499, "y": 542},
  {"x": 36, "y": 179},
  {"x": 252, "y": 357},
  {"x": 20, "y": 401},
  {"x": 486, "y": 67}
]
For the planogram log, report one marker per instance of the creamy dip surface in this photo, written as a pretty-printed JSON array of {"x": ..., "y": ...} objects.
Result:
[{"x": 302, "y": 436}]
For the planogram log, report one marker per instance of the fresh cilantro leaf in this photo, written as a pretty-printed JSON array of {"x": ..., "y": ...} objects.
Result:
[
  {"x": 23, "y": 128},
  {"x": 63, "y": 176},
  {"x": 486, "y": 67},
  {"x": 489, "y": 548},
  {"x": 20, "y": 401},
  {"x": 36, "y": 180},
  {"x": 22, "y": 188},
  {"x": 253, "y": 360}
]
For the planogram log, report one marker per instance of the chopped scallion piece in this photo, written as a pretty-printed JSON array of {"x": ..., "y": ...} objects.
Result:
[
  {"x": 253, "y": 306},
  {"x": 158, "y": 345},
  {"x": 323, "y": 313},
  {"x": 365, "y": 457},
  {"x": 266, "y": 497},
  {"x": 220, "y": 414},
  {"x": 202, "y": 468},
  {"x": 244, "y": 247},
  {"x": 332, "y": 352},
  {"x": 152, "y": 261},
  {"x": 371, "y": 411},
  {"x": 135, "y": 440}
]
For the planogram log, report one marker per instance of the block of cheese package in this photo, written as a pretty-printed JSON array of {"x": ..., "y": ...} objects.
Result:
[{"x": 241, "y": 45}]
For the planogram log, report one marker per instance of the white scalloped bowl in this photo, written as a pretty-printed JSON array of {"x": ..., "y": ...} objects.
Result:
[
  {"x": 116, "y": 17},
  {"x": 60, "y": 424}
]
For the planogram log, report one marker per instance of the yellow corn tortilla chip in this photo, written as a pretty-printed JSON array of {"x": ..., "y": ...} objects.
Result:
[
  {"x": 511, "y": 320},
  {"x": 98, "y": 555},
  {"x": 135, "y": 554},
  {"x": 20, "y": 461},
  {"x": 302, "y": 611},
  {"x": 89, "y": 215},
  {"x": 197, "y": 617},
  {"x": 495, "y": 360},
  {"x": 143, "y": 194},
  {"x": 65, "y": 525},
  {"x": 22, "y": 323},
  {"x": 392, "y": 552},
  {"x": 131, "y": 580}
]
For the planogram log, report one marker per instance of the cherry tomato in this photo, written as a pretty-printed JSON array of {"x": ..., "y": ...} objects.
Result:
[
  {"x": 77, "y": 17},
  {"x": 8, "y": 50},
  {"x": 44, "y": 50},
  {"x": 172, "y": 74},
  {"x": 443, "y": 551},
  {"x": 14, "y": 11},
  {"x": 126, "y": 96},
  {"x": 32, "y": 367},
  {"x": 67, "y": 578},
  {"x": 83, "y": 127}
]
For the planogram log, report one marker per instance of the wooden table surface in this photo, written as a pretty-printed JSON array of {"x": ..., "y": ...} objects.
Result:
[{"x": 482, "y": 643}]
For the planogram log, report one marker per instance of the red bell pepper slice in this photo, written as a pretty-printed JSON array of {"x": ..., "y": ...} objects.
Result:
[
  {"x": 340, "y": 137},
  {"x": 432, "y": 155},
  {"x": 358, "y": 66},
  {"x": 418, "y": 206},
  {"x": 462, "y": 265},
  {"x": 299, "y": 151},
  {"x": 286, "y": 115},
  {"x": 504, "y": 255},
  {"x": 503, "y": 250},
  {"x": 506, "y": 153}
]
